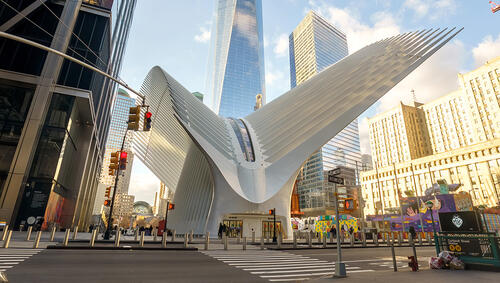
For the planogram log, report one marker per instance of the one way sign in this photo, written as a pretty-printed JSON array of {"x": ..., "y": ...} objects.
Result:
[
  {"x": 336, "y": 180},
  {"x": 334, "y": 172}
]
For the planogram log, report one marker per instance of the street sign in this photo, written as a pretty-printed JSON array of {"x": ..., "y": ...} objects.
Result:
[
  {"x": 334, "y": 172},
  {"x": 336, "y": 180}
]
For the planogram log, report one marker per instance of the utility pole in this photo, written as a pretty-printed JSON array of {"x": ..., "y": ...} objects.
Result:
[
  {"x": 380, "y": 195},
  {"x": 107, "y": 234},
  {"x": 339, "y": 265},
  {"x": 418, "y": 198},
  {"x": 399, "y": 197}
]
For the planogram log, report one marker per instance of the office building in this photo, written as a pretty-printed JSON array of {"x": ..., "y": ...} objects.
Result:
[
  {"x": 366, "y": 162},
  {"x": 314, "y": 45},
  {"x": 399, "y": 135},
  {"x": 123, "y": 209},
  {"x": 117, "y": 131},
  {"x": 54, "y": 114},
  {"x": 228, "y": 170},
  {"x": 236, "y": 66},
  {"x": 462, "y": 147}
]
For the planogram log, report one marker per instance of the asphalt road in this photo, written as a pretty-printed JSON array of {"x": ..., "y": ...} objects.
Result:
[{"x": 199, "y": 266}]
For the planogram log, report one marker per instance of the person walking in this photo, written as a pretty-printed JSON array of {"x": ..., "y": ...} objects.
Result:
[
  {"x": 413, "y": 233},
  {"x": 333, "y": 232},
  {"x": 220, "y": 231}
]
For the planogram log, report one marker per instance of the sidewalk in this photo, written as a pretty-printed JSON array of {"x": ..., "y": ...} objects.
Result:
[{"x": 424, "y": 275}]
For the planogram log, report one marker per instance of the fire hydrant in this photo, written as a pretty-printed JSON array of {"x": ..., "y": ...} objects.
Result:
[{"x": 412, "y": 263}]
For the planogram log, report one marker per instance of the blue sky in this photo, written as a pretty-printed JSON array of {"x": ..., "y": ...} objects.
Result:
[{"x": 176, "y": 36}]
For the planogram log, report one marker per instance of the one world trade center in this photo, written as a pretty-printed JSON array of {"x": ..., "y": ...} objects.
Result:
[{"x": 236, "y": 66}]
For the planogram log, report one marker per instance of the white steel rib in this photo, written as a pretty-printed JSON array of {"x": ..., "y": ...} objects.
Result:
[{"x": 248, "y": 164}]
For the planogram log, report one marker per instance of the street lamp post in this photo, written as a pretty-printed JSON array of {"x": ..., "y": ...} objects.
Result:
[
  {"x": 339, "y": 265},
  {"x": 481, "y": 210},
  {"x": 429, "y": 205},
  {"x": 274, "y": 225}
]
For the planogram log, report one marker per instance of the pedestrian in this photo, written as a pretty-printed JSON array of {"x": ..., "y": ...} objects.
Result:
[
  {"x": 333, "y": 231},
  {"x": 413, "y": 233},
  {"x": 220, "y": 231},
  {"x": 351, "y": 231}
]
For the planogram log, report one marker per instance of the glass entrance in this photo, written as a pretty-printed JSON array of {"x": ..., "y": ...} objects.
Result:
[
  {"x": 234, "y": 228},
  {"x": 268, "y": 228}
]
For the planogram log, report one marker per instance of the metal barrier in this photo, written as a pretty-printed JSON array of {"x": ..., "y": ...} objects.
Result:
[{"x": 472, "y": 248}]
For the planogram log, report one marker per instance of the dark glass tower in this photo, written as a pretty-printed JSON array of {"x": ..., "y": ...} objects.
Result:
[{"x": 236, "y": 72}]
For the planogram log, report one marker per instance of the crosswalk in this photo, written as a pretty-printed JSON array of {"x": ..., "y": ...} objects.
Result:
[
  {"x": 277, "y": 266},
  {"x": 10, "y": 257}
]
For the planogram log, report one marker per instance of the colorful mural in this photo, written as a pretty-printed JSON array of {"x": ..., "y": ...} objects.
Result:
[{"x": 411, "y": 210}]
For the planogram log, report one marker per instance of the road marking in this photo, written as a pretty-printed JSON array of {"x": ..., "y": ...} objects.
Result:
[
  {"x": 279, "y": 266},
  {"x": 11, "y": 257}
]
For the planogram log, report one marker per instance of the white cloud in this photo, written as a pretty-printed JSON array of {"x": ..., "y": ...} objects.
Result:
[
  {"x": 204, "y": 35},
  {"x": 143, "y": 183},
  {"x": 431, "y": 8},
  {"x": 488, "y": 49},
  {"x": 364, "y": 136},
  {"x": 360, "y": 34},
  {"x": 281, "y": 45},
  {"x": 434, "y": 78},
  {"x": 277, "y": 80}
]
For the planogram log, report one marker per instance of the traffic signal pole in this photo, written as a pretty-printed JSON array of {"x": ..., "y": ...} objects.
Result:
[
  {"x": 107, "y": 234},
  {"x": 339, "y": 265},
  {"x": 274, "y": 221}
]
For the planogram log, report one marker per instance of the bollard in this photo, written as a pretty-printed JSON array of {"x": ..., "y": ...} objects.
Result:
[
  {"x": 351, "y": 240},
  {"x": 261, "y": 243},
  {"x": 173, "y": 235},
  {"x": 324, "y": 240},
  {"x": 253, "y": 237},
  {"x": 164, "y": 240},
  {"x": 363, "y": 238},
  {"x": 53, "y": 233},
  {"x": 92, "y": 238},
  {"x": 294, "y": 240},
  {"x": 28, "y": 236},
  {"x": 66, "y": 237},
  {"x": 309, "y": 240},
  {"x": 155, "y": 234},
  {"x": 207, "y": 240},
  {"x": 190, "y": 236},
  {"x": 37, "y": 239},
  {"x": 400, "y": 239},
  {"x": 186, "y": 239},
  {"x": 117, "y": 238},
  {"x": 238, "y": 240},
  {"x": 428, "y": 237},
  {"x": 225, "y": 243},
  {"x": 394, "y": 257},
  {"x": 278, "y": 243},
  {"x": 7, "y": 240},
  {"x": 244, "y": 243},
  {"x": 136, "y": 237},
  {"x": 75, "y": 233},
  {"x": 5, "y": 231},
  {"x": 141, "y": 243},
  {"x": 419, "y": 238},
  {"x": 412, "y": 244},
  {"x": 267, "y": 238}
]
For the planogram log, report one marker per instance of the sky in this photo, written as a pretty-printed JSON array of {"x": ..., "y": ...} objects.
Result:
[{"x": 175, "y": 35}]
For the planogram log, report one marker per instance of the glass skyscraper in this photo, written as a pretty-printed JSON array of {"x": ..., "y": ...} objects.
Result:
[
  {"x": 314, "y": 45},
  {"x": 236, "y": 67}
]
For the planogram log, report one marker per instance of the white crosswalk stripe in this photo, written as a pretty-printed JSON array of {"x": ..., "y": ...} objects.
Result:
[
  {"x": 11, "y": 257},
  {"x": 278, "y": 266}
]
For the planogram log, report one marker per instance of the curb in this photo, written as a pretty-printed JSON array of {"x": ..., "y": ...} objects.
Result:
[
  {"x": 118, "y": 248},
  {"x": 343, "y": 247}
]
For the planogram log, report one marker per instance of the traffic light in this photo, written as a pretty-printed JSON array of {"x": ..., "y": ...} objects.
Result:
[
  {"x": 171, "y": 206},
  {"x": 107, "y": 202},
  {"x": 107, "y": 194},
  {"x": 271, "y": 211},
  {"x": 123, "y": 160},
  {"x": 113, "y": 163},
  {"x": 349, "y": 204},
  {"x": 134, "y": 118},
  {"x": 147, "y": 121}
]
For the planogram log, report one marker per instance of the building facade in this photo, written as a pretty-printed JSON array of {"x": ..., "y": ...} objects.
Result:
[
  {"x": 399, "y": 135},
  {"x": 54, "y": 114},
  {"x": 314, "y": 45},
  {"x": 462, "y": 145},
  {"x": 123, "y": 209},
  {"x": 236, "y": 66},
  {"x": 117, "y": 131}
]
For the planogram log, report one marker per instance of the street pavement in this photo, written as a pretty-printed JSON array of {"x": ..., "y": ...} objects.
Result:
[{"x": 218, "y": 265}]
